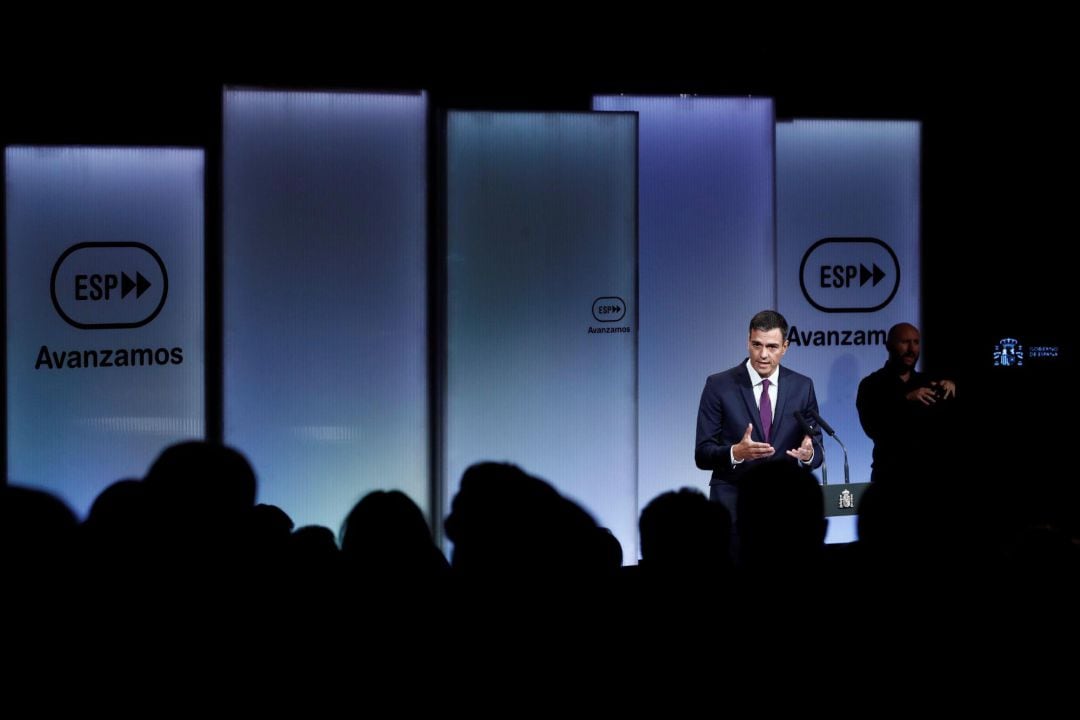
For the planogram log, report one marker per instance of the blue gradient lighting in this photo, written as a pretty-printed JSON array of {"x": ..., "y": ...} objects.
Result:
[
  {"x": 94, "y": 398},
  {"x": 541, "y": 223},
  {"x": 706, "y": 262},
  {"x": 855, "y": 184},
  {"x": 325, "y": 276}
]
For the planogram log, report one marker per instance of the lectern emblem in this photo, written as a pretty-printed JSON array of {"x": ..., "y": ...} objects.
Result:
[{"x": 846, "y": 500}]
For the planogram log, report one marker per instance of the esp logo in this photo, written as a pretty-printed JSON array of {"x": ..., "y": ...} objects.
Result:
[
  {"x": 109, "y": 285},
  {"x": 849, "y": 275},
  {"x": 608, "y": 309}
]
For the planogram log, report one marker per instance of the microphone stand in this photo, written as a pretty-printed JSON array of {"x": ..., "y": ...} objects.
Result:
[
  {"x": 808, "y": 428},
  {"x": 832, "y": 433},
  {"x": 847, "y": 477}
]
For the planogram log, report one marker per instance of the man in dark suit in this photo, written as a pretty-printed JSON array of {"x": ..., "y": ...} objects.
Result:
[{"x": 731, "y": 434}]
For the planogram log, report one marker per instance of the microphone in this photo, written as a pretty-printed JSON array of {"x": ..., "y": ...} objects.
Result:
[
  {"x": 832, "y": 433},
  {"x": 809, "y": 430},
  {"x": 821, "y": 422}
]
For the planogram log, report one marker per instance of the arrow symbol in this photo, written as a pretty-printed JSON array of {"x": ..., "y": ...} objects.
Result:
[
  {"x": 139, "y": 285},
  {"x": 142, "y": 283},
  {"x": 878, "y": 274},
  {"x": 865, "y": 274}
]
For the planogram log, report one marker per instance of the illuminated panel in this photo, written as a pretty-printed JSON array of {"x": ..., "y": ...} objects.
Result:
[
  {"x": 706, "y": 262},
  {"x": 104, "y": 313},
  {"x": 848, "y": 212},
  {"x": 541, "y": 306},
  {"x": 325, "y": 282}
]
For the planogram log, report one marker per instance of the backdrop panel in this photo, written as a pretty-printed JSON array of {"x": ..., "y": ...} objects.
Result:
[
  {"x": 541, "y": 306},
  {"x": 104, "y": 313},
  {"x": 325, "y": 289},
  {"x": 848, "y": 208},
  {"x": 706, "y": 262}
]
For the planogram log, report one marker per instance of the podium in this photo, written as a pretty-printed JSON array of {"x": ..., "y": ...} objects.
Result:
[
  {"x": 843, "y": 499},
  {"x": 839, "y": 499}
]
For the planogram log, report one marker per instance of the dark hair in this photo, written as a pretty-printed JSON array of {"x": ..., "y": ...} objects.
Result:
[{"x": 769, "y": 320}]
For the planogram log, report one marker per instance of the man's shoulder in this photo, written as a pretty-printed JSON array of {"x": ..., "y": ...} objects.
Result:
[
  {"x": 879, "y": 375},
  {"x": 729, "y": 374},
  {"x": 787, "y": 374}
]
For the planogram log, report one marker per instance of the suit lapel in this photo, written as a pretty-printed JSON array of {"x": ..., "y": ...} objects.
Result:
[
  {"x": 781, "y": 407},
  {"x": 780, "y": 417},
  {"x": 751, "y": 404}
]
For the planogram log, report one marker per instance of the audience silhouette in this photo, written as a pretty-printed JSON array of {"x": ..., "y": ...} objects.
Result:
[{"x": 530, "y": 568}]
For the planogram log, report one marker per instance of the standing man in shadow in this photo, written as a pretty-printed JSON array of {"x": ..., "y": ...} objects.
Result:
[
  {"x": 905, "y": 412},
  {"x": 747, "y": 415}
]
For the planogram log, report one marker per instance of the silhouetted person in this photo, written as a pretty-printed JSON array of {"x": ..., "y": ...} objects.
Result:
[
  {"x": 393, "y": 575},
  {"x": 509, "y": 526},
  {"x": 319, "y": 598},
  {"x": 610, "y": 550},
  {"x": 267, "y": 534},
  {"x": 685, "y": 536},
  {"x": 202, "y": 494},
  {"x": 119, "y": 506},
  {"x": 313, "y": 555},
  {"x": 117, "y": 534},
  {"x": 905, "y": 412},
  {"x": 531, "y": 569},
  {"x": 37, "y": 538},
  {"x": 42, "y": 602},
  {"x": 204, "y": 475},
  {"x": 781, "y": 522},
  {"x": 895, "y": 540},
  {"x": 386, "y": 543},
  {"x": 781, "y": 587}
]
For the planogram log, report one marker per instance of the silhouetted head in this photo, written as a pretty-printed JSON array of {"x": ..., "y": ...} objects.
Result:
[
  {"x": 610, "y": 548},
  {"x": 37, "y": 531},
  {"x": 684, "y": 529},
  {"x": 269, "y": 528},
  {"x": 120, "y": 522},
  {"x": 120, "y": 506},
  {"x": 315, "y": 542},
  {"x": 887, "y": 514},
  {"x": 203, "y": 477},
  {"x": 386, "y": 534},
  {"x": 505, "y": 523}
]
